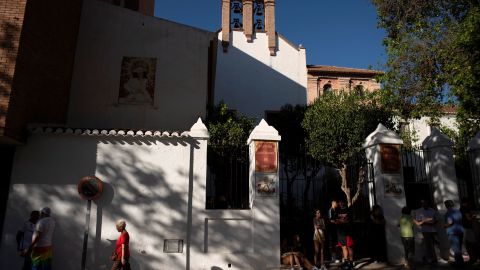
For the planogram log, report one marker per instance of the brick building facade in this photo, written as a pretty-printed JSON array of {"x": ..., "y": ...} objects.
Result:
[{"x": 331, "y": 78}]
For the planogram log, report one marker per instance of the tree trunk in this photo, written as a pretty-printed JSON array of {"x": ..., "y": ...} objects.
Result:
[
  {"x": 362, "y": 175},
  {"x": 345, "y": 188}
]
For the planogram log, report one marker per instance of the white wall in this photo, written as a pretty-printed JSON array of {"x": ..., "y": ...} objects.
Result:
[
  {"x": 108, "y": 33},
  {"x": 148, "y": 181},
  {"x": 156, "y": 183},
  {"x": 251, "y": 81},
  {"x": 423, "y": 130}
]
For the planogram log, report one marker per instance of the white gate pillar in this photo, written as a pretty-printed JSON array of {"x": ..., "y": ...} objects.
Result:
[
  {"x": 444, "y": 179},
  {"x": 264, "y": 194},
  {"x": 474, "y": 159},
  {"x": 382, "y": 147},
  {"x": 442, "y": 168}
]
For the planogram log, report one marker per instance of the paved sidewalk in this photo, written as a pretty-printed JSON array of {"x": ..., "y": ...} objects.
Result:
[{"x": 368, "y": 265}]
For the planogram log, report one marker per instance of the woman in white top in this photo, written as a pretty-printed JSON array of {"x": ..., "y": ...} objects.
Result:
[{"x": 318, "y": 237}]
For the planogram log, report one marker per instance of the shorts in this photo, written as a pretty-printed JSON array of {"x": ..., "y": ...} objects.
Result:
[{"x": 345, "y": 240}]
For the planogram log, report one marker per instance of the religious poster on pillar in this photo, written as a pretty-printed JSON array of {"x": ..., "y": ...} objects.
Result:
[
  {"x": 266, "y": 184},
  {"x": 137, "y": 80},
  {"x": 390, "y": 158},
  {"x": 393, "y": 187},
  {"x": 266, "y": 157}
]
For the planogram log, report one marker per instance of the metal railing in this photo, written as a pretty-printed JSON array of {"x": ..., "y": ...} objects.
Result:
[
  {"x": 473, "y": 158},
  {"x": 416, "y": 176},
  {"x": 227, "y": 177}
]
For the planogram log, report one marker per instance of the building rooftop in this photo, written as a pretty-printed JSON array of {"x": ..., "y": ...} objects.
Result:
[{"x": 315, "y": 69}]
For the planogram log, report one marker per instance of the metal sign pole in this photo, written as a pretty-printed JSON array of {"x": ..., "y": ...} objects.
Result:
[{"x": 85, "y": 236}]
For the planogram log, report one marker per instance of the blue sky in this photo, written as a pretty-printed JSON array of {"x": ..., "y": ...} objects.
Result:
[{"x": 334, "y": 32}]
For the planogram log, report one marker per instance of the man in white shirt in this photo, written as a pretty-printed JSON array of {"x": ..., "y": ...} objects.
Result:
[
  {"x": 41, "y": 246},
  {"x": 426, "y": 219}
]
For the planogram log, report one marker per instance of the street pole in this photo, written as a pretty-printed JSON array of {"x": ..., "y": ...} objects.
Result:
[{"x": 85, "y": 235}]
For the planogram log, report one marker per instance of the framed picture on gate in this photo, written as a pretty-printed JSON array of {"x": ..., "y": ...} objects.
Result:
[
  {"x": 390, "y": 158},
  {"x": 266, "y": 184},
  {"x": 266, "y": 157}
]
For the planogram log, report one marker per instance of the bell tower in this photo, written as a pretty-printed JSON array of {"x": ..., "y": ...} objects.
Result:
[{"x": 250, "y": 17}]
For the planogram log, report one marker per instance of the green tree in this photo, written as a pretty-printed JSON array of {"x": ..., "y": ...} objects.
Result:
[
  {"x": 336, "y": 125},
  {"x": 462, "y": 67},
  {"x": 228, "y": 129},
  {"x": 293, "y": 155},
  {"x": 227, "y": 157},
  {"x": 433, "y": 53}
]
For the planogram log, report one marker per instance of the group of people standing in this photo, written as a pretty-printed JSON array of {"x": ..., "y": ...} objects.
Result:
[
  {"x": 35, "y": 242},
  {"x": 460, "y": 226},
  {"x": 335, "y": 230}
]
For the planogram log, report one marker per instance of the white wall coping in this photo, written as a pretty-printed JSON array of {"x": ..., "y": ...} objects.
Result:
[
  {"x": 198, "y": 130},
  {"x": 436, "y": 139},
  {"x": 382, "y": 135},
  {"x": 474, "y": 143},
  {"x": 264, "y": 132}
]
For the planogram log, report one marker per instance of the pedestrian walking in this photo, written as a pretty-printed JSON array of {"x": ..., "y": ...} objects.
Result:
[
  {"x": 24, "y": 238},
  {"x": 42, "y": 242},
  {"x": 121, "y": 255},
  {"x": 454, "y": 227}
]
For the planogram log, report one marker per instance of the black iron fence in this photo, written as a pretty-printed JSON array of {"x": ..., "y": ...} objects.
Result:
[
  {"x": 302, "y": 182},
  {"x": 416, "y": 176},
  {"x": 361, "y": 182},
  {"x": 307, "y": 184},
  {"x": 474, "y": 184},
  {"x": 227, "y": 177}
]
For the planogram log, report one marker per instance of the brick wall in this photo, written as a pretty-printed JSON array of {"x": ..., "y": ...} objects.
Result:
[
  {"x": 36, "y": 80},
  {"x": 11, "y": 20},
  {"x": 338, "y": 82}
]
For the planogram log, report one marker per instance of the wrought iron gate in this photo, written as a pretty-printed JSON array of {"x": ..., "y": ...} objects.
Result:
[
  {"x": 417, "y": 178},
  {"x": 474, "y": 184}
]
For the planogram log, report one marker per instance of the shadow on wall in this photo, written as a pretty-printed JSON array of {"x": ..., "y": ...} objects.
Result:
[
  {"x": 251, "y": 87},
  {"x": 147, "y": 186},
  {"x": 45, "y": 173},
  {"x": 151, "y": 194}
]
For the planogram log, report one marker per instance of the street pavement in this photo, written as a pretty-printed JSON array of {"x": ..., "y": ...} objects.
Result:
[{"x": 369, "y": 265}]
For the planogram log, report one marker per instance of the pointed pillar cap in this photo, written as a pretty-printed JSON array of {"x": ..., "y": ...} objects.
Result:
[
  {"x": 199, "y": 130},
  {"x": 436, "y": 139},
  {"x": 382, "y": 135},
  {"x": 264, "y": 132}
]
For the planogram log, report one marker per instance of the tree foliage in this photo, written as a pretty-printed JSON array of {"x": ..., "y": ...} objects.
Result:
[
  {"x": 288, "y": 123},
  {"x": 228, "y": 129},
  {"x": 433, "y": 51},
  {"x": 336, "y": 125}
]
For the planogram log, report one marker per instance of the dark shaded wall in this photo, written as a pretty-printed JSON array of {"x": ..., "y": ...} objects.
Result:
[
  {"x": 6, "y": 161},
  {"x": 37, "y": 49}
]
